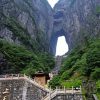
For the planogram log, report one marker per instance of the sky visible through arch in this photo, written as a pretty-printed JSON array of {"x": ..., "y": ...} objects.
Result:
[
  {"x": 52, "y": 2},
  {"x": 62, "y": 46}
]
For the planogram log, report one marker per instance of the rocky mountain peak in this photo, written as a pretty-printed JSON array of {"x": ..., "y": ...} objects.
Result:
[{"x": 75, "y": 20}]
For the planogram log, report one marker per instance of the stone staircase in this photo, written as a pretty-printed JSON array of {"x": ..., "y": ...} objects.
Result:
[{"x": 57, "y": 67}]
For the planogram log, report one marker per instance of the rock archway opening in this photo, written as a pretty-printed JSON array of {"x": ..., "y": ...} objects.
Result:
[
  {"x": 59, "y": 43},
  {"x": 62, "y": 46},
  {"x": 52, "y": 2}
]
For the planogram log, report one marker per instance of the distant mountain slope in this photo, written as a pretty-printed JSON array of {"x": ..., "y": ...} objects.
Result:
[
  {"x": 27, "y": 22},
  {"x": 25, "y": 29}
]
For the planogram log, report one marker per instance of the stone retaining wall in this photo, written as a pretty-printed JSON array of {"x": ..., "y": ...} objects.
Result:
[{"x": 20, "y": 89}]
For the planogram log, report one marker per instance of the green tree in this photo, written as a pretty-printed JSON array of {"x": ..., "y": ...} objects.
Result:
[
  {"x": 54, "y": 82},
  {"x": 93, "y": 60},
  {"x": 96, "y": 74}
]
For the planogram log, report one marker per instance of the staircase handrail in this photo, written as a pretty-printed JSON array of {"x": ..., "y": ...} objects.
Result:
[
  {"x": 49, "y": 94},
  {"x": 35, "y": 83}
]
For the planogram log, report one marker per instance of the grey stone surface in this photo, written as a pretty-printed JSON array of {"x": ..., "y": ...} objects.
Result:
[{"x": 57, "y": 67}]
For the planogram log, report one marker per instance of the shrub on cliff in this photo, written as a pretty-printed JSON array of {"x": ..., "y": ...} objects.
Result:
[{"x": 82, "y": 62}]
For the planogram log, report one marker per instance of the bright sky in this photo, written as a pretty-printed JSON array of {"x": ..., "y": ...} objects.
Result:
[
  {"x": 52, "y": 2},
  {"x": 62, "y": 46}
]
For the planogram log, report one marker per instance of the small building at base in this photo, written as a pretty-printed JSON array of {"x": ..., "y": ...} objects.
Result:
[{"x": 41, "y": 78}]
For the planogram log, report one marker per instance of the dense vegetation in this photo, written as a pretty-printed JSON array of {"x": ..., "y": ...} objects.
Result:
[
  {"x": 32, "y": 55},
  {"x": 17, "y": 59},
  {"x": 83, "y": 63}
]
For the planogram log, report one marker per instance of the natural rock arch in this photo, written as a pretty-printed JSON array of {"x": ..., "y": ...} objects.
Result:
[{"x": 54, "y": 38}]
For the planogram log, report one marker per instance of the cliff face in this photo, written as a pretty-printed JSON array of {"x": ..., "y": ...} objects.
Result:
[
  {"x": 32, "y": 22},
  {"x": 76, "y": 20},
  {"x": 27, "y": 22}
]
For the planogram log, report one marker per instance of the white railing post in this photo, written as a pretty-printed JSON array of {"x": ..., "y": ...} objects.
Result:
[
  {"x": 56, "y": 89},
  {"x": 24, "y": 75},
  {"x": 12, "y": 76},
  {"x": 18, "y": 76},
  {"x": 50, "y": 93},
  {"x": 72, "y": 90},
  {"x": 64, "y": 89},
  {"x": 80, "y": 88},
  {"x": 29, "y": 78}
]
